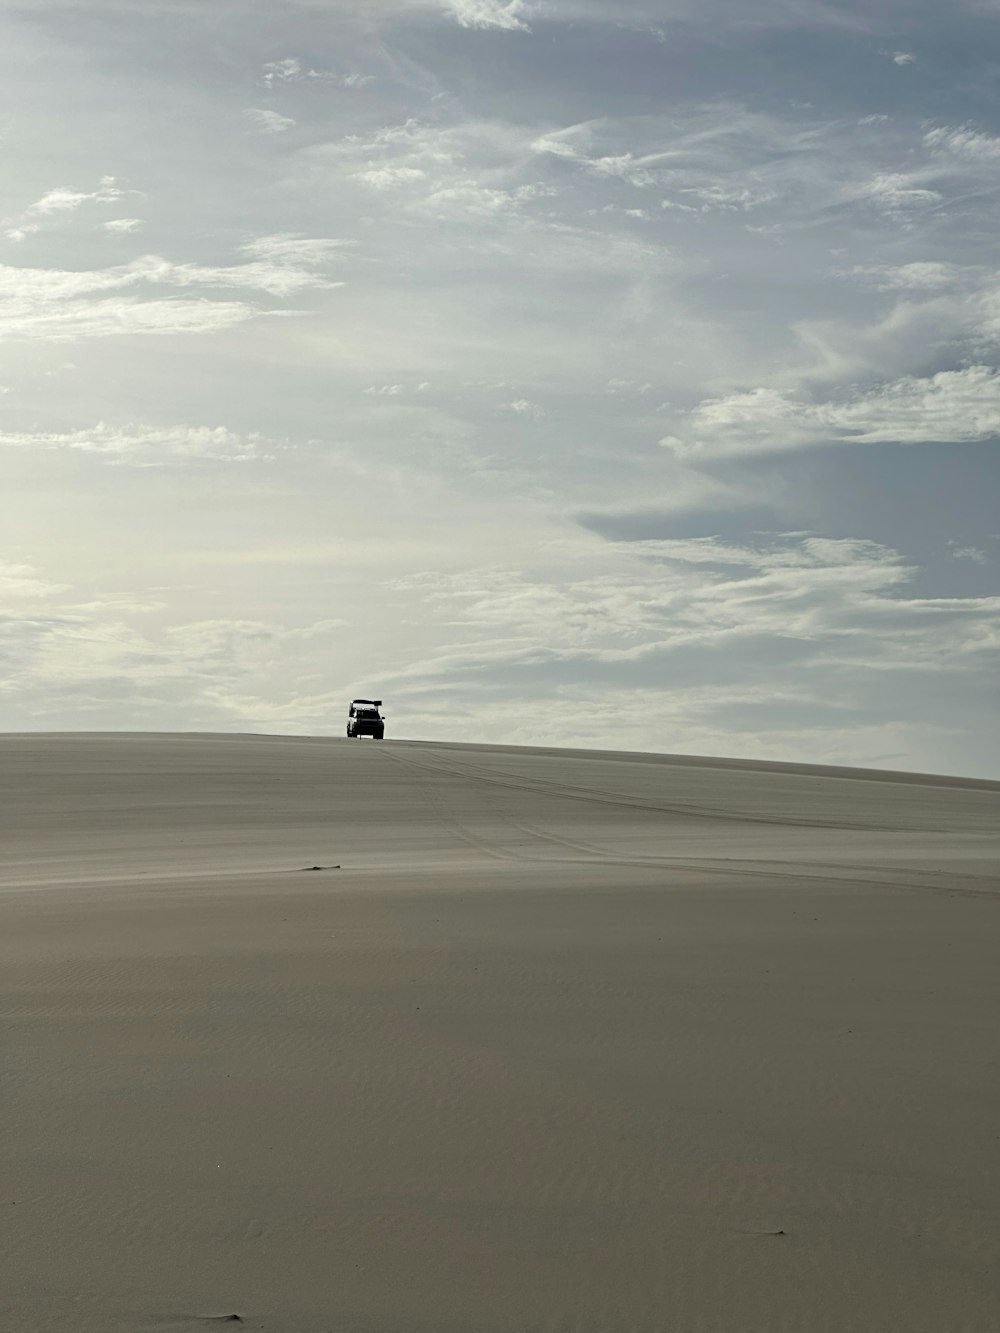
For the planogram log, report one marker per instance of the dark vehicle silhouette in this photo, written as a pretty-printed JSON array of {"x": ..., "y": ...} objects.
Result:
[{"x": 364, "y": 719}]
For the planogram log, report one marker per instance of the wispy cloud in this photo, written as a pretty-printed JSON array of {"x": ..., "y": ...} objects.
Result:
[
  {"x": 67, "y": 304},
  {"x": 287, "y": 70},
  {"x": 950, "y": 407},
  {"x": 122, "y": 225},
  {"x": 290, "y": 71},
  {"x": 146, "y": 446},
  {"x": 463, "y": 173},
  {"x": 524, "y": 407},
  {"x": 897, "y": 192},
  {"x": 383, "y": 178},
  {"x": 294, "y": 251},
  {"x": 733, "y": 628},
  {"x": 917, "y": 276},
  {"x": 973, "y": 553},
  {"x": 62, "y": 200},
  {"x": 509, "y": 15},
  {"x": 71, "y": 320},
  {"x": 62, "y": 655},
  {"x": 57, "y": 205},
  {"x": 738, "y": 629},
  {"x": 19, "y": 580},
  {"x": 266, "y": 121},
  {"x": 964, "y": 142}
]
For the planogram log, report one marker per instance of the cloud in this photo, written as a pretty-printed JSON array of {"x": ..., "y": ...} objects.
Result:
[
  {"x": 728, "y": 158},
  {"x": 145, "y": 446},
  {"x": 269, "y": 122},
  {"x": 122, "y": 225},
  {"x": 18, "y": 580},
  {"x": 384, "y": 178},
  {"x": 903, "y": 58},
  {"x": 62, "y": 657},
  {"x": 719, "y": 645},
  {"x": 934, "y": 312},
  {"x": 293, "y": 250},
  {"x": 647, "y": 596},
  {"x": 59, "y": 203},
  {"x": 62, "y": 200},
  {"x": 896, "y": 192},
  {"x": 288, "y": 70},
  {"x": 583, "y": 144},
  {"x": 508, "y": 15},
  {"x": 277, "y": 275},
  {"x": 18, "y": 234},
  {"x": 565, "y": 143},
  {"x": 69, "y": 304},
  {"x": 474, "y": 200},
  {"x": 964, "y": 142},
  {"x": 919, "y": 276},
  {"x": 736, "y": 648},
  {"x": 277, "y": 265},
  {"x": 625, "y": 167},
  {"x": 972, "y": 553},
  {"x": 533, "y": 205},
  {"x": 465, "y": 173},
  {"x": 225, "y": 645},
  {"x": 523, "y": 407},
  {"x": 109, "y": 318},
  {"x": 725, "y": 198},
  {"x": 951, "y": 407}
]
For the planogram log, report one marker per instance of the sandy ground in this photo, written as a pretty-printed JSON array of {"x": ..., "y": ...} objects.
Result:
[{"x": 552, "y": 1041}]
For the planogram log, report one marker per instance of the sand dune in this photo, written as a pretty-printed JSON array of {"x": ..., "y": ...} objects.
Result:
[{"x": 551, "y": 1040}]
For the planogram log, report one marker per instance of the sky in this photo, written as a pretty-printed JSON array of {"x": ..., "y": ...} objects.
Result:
[{"x": 611, "y": 373}]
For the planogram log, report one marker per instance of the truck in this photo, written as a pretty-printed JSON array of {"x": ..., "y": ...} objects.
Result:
[{"x": 364, "y": 718}]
